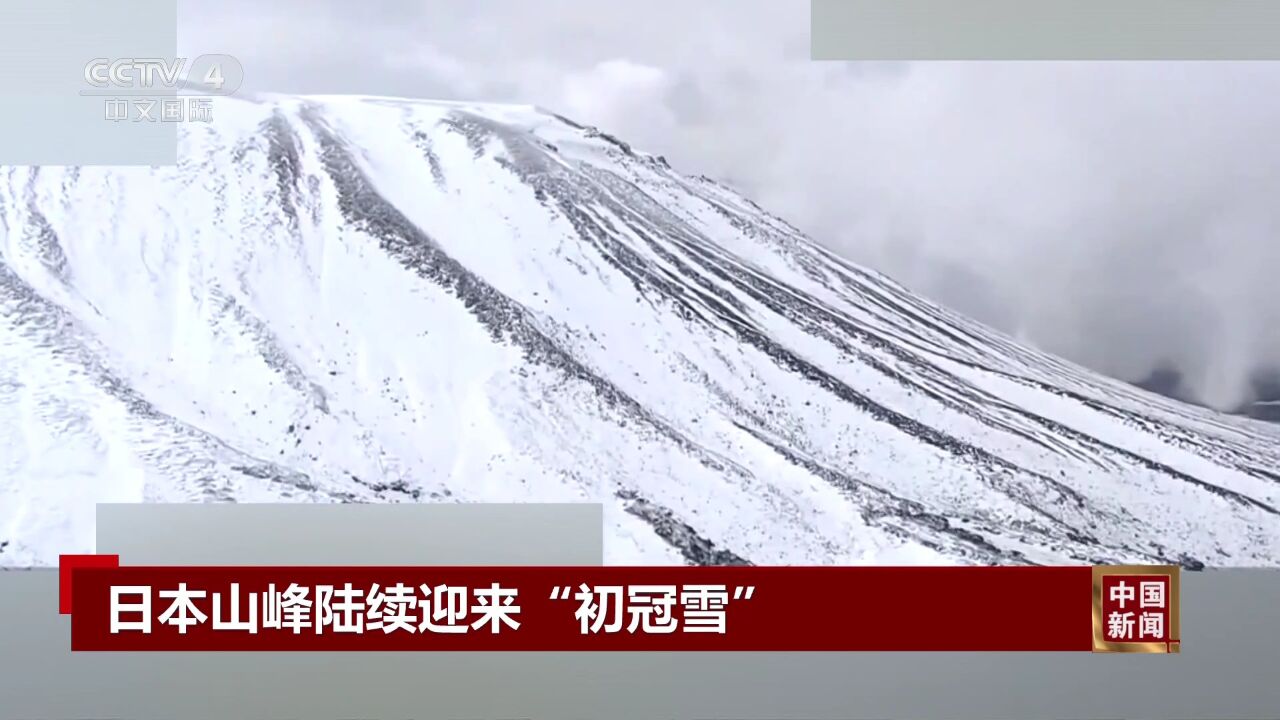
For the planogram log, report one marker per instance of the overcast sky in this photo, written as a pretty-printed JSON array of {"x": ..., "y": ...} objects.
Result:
[{"x": 1124, "y": 215}]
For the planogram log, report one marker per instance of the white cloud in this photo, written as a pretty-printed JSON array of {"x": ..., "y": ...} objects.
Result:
[
  {"x": 1122, "y": 214},
  {"x": 441, "y": 66},
  {"x": 617, "y": 92}
]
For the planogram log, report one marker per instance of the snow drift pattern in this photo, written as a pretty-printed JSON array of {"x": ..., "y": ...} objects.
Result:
[{"x": 377, "y": 300}]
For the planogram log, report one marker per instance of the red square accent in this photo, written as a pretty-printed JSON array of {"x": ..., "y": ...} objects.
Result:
[{"x": 68, "y": 563}]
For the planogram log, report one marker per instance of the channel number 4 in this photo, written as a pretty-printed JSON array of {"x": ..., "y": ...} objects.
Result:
[{"x": 213, "y": 76}]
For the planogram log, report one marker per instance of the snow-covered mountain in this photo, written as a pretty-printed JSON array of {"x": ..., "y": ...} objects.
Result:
[{"x": 376, "y": 300}]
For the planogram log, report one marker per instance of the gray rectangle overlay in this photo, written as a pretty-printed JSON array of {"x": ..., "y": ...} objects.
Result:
[
  {"x": 399, "y": 534},
  {"x": 44, "y": 48},
  {"x": 1045, "y": 29}
]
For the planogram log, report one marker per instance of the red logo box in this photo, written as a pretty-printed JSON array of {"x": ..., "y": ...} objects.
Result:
[{"x": 1135, "y": 609}]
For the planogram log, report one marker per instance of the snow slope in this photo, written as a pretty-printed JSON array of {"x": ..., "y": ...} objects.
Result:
[{"x": 353, "y": 299}]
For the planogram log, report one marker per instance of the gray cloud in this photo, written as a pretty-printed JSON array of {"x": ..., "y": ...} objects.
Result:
[{"x": 1124, "y": 215}]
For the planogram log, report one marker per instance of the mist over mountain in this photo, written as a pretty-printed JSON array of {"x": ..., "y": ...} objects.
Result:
[
  {"x": 359, "y": 299},
  {"x": 1265, "y": 401},
  {"x": 1263, "y": 392},
  {"x": 1168, "y": 381}
]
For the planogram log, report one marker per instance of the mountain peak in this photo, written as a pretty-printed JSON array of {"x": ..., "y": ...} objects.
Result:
[{"x": 356, "y": 299}]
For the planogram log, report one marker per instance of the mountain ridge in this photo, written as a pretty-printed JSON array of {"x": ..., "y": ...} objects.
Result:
[{"x": 359, "y": 299}]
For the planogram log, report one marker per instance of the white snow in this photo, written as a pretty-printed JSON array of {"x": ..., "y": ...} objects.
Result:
[{"x": 226, "y": 314}]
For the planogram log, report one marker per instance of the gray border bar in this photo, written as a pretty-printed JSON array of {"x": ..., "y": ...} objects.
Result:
[
  {"x": 1230, "y": 649},
  {"x": 1045, "y": 29},
  {"x": 1226, "y": 670}
]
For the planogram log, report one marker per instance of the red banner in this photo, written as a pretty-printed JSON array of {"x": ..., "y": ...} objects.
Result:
[{"x": 127, "y": 608}]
